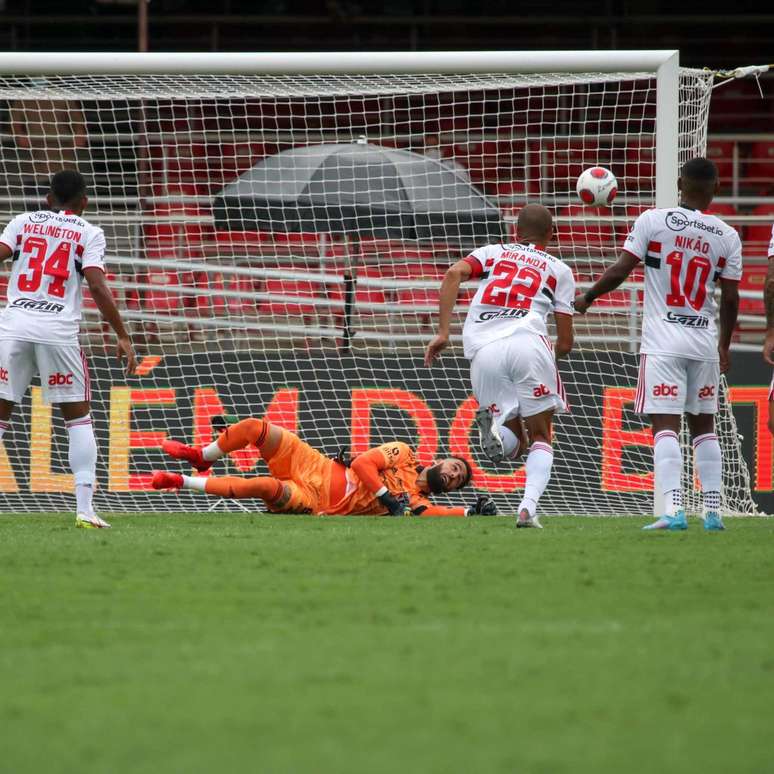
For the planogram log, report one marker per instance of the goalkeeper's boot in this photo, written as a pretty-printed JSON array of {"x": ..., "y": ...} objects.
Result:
[
  {"x": 165, "y": 480},
  {"x": 90, "y": 521},
  {"x": 524, "y": 520},
  {"x": 673, "y": 523},
  {"x": 712, "y": 521},
  {"x": 489, "y": 435},
  {"x": 190, "y": 454}
]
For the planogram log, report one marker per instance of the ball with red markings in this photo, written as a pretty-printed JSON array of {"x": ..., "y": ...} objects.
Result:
[{"x": 597, "y": 187}]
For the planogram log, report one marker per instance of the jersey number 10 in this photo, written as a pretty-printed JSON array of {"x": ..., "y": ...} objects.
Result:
[
  {"x": 694, "y": 286},
  {"x": 506, "y": 291},
  {"x": 56, "y": 266}
]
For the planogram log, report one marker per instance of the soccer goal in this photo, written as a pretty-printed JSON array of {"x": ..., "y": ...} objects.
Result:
[{"x": 278, "y": 226}]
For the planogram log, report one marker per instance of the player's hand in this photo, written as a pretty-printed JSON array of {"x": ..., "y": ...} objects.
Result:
[
  {"x": 581, "y": 304},
  {"x": 484, "y": 506},
  {"x": 396, "y": 505},
  {"x": 125, "y": 351},
  {"x": 725, "y": 359},
  {"x": 768, "y": 348},
  {"x": 435, "y": 347}
]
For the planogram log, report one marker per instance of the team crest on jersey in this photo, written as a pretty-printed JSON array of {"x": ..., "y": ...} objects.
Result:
[
  {"x": 502, "y": 314},
  {"x": 687, "y": 320}
]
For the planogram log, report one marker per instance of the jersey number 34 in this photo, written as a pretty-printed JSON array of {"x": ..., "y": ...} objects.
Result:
[{"x": 56, "y": 266}]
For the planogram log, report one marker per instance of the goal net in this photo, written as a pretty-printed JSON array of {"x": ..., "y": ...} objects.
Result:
[{"x": 276, "y": 244}]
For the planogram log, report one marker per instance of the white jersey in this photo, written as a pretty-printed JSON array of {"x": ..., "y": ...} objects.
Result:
[
  {"x": 50, "y": 252},
  {"x": 685, "y": 252},
  {"x": 520, "y": 285}
]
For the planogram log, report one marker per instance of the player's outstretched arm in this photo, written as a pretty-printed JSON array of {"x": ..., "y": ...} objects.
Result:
[
  {"x": 103, "y": 298},
  {"x": 768, "y": 300},
  {"x": 5, "y": 252},
  {"x": 564, "y": 334},
  {"x": 367, "y": 467},
  {"x": 614, "y": 275},
  {"x": 450, "y": 288},
  {"x": 729, "y": 308}
]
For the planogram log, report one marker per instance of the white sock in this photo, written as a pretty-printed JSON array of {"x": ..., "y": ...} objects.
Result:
[
  {"x": 510, "y": 442},
  {"x": 82, "y": 455},
  {"x": 3, "y": 427},
  {"x": 709, "y": 466},
  {"x": 212, "y": 452},
  {"x": 539, "y": 462},
  {"x": 194, "y": 482},
  {"x": 668, "y": 466}
]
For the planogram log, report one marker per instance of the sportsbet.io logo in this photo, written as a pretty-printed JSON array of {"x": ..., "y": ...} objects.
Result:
[{"x": 679, "y": 221}]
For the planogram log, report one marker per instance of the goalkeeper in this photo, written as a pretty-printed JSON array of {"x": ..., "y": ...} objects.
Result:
[{"x": 384, "y": 480}]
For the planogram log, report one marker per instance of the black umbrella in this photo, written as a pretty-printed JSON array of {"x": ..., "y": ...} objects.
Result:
[{"x": 362, "y": 190}]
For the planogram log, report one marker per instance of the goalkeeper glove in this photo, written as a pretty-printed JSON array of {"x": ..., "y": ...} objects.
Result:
[
  {"x": 484, "y": 506},
  {"x": 396, "y": 505}
]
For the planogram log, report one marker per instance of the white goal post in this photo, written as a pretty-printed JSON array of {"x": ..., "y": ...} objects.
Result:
[{"x": 277, "y": 227}]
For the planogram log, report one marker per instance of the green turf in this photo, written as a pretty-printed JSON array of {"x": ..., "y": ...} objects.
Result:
[{"x": 235, "y": 643}]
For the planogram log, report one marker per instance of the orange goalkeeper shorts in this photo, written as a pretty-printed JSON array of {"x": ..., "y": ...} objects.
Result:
[{"x": 315, "y": 481}]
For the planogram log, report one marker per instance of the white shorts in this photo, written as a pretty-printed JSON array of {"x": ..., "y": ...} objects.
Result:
[
  {"x": 674, "y": 385},
  {"x": 517, "y": 376},
  {"x": 64, "y": 372}
]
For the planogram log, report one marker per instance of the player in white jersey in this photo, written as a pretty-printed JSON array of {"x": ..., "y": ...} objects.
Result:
[
  {"x": 685, "y": 252},
  {"x": 768, "y": 346},
  {"x": 53, "y": 250},
  {"x": 513, "y": 363}
]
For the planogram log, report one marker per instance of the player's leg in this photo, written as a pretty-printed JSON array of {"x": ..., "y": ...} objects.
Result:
[
  {"x": 256, "y": 432},
  {"x": 496, "y": 419},
  {"x": 540, "y": 460},
  {"x": 17, "y": 367},
  {"x": 64, "y": 378},
  {"x": 541, "y": 395},
  {"x": 661, "y": 393},
  {"x": 279, "y": 496},
  {"x": 701, "y": 407}
]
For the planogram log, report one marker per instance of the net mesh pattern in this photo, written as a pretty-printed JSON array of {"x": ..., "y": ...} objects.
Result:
[{"x": 276, "y": 244}]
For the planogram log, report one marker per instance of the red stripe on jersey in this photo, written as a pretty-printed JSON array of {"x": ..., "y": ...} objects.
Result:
[
  {"x": 654, "y": 247},
  {"x": 551, "y": 282},
  {"x": 721, "y": 262},
  {"x": 475, "y": 265},
  {"x": 79, "y": 250},
  {"x": 18, "y": 239}
]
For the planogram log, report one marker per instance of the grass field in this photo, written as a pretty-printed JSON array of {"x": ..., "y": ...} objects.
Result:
[{"x": 234, "y": 643}]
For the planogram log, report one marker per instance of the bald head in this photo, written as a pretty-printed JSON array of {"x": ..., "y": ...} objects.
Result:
[{"x": 534, "y": 224}]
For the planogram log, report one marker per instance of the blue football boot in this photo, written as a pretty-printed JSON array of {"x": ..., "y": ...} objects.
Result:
[
  {"x": 712, "y": 521},
  {"x": 673, "y": 523}
]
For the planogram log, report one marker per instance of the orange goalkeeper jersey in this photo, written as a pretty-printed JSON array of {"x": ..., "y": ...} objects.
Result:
[{"x": 394, "y": 466}]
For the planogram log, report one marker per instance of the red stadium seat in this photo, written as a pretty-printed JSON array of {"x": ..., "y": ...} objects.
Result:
[
  {"x": 639, "y": 169},
  {"x": 722, "y": 153},
  {"x": 753, "y": 278},
  {"x": 302, "y": 289},
  {"x": 759, "y": 170},
  {"x": 158, "y": 298},
  {"x": 582, "y": 230},
  {"x": 563, "y": 160},
  {"x": 758, "y": 235},
  {"x": 722, "y": 210}
]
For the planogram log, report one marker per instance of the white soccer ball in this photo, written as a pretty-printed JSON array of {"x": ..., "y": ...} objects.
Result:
[{"x": 597, "y": 187}]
